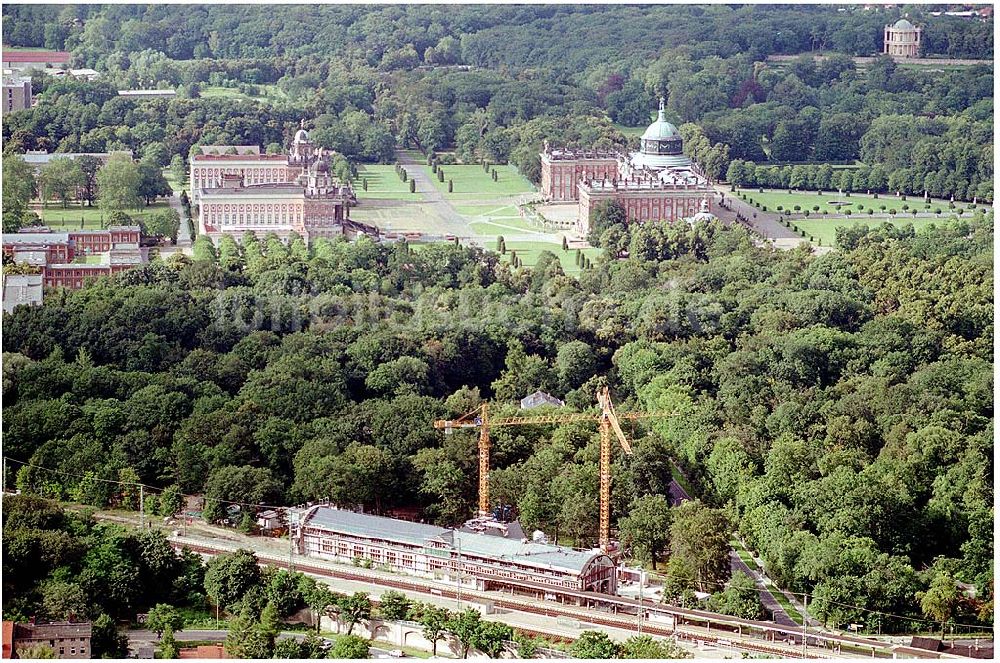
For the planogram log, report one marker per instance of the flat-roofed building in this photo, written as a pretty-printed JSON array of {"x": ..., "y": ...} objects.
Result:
[
  {"x": 70, "y": 259},
  {"x": 147, "y": 94},
  {"x": 16, "y": 93},
  {"x": 476, "y": 559},
  {"x": 38, "y": 158},
  {"x": 21, "y": 290}
]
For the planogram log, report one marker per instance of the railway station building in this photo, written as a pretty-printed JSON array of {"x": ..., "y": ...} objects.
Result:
[{"x": 492, "y": 559}]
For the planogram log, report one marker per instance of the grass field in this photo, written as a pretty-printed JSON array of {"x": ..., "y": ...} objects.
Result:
[
  {"x": 499, "y": 225},
  {"x": 630, "y": 131},
  {"x": 808, "y": 200},
  {"x": 267, "y": 92},
  {"x": 473, "y": 183},
  {"x": 825, "y": 230},
  {"x": 383, "y": 182},
  {"x": 175, "y": 186},
  {"x": 75, "y": 217},
  {"x": 529, "y": 252}
]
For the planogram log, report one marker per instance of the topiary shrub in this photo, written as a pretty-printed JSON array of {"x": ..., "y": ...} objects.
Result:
[{"x": 797, "y": 208}]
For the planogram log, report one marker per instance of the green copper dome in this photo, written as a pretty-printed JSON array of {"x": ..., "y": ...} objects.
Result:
[
  {"x": 903, "y": 24},
  {"x": 661, "y": 129}
]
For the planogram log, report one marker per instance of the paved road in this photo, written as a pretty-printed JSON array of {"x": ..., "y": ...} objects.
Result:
[
  {"x": 454, "y": 223},
  {"x": 862, "y": 60},
  {"x": 771, "y": 605},
  {"x": 183, "y": 235},
  {"x": 140, "y": 636},
  {"x": 765, "y": 223}
]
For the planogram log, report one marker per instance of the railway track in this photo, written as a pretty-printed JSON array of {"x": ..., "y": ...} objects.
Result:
[{"x": 688, "y": 633}]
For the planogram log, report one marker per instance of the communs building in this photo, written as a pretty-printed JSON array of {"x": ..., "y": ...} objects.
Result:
[
  {"x": 238, "y": 190},
  {"x": 483, "y": 558},
  {"x": 70, "y": 259}
]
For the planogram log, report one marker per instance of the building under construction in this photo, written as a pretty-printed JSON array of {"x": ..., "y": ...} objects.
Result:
[{"x": 485, "y": 556}]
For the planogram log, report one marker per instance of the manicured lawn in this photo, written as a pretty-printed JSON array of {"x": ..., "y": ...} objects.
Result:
[
  {"x": 630, "y": 131},
  {"x": 267, "y": 92},
  {"x": 409, "y": 651},
  {"x": 810, "y": 199},
  {"x": 825, "y": 230},
  {"x": 472, "y": 182},
  {"x": 175, "y": 186},
  {"x": 529, "y": 252},
  {"x": 497, "y": 209},
  {"x": 681, "y": 480},
  {"x": 89, "y": 217},
  {"x": 383, "y": 182}
]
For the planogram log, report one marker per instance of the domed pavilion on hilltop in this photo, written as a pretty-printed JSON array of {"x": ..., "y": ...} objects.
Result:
[{"x": 902, "y": 39}]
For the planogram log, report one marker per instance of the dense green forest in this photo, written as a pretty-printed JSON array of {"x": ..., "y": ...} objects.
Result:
[
  {"x": 494, "y": 82},
  {"x": 836, "y": 409}
]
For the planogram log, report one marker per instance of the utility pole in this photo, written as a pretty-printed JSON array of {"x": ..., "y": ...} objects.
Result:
[
  {"x": 459, "y": 573},
  {"x": 141, "y": 507},
  {"x": 805, "y": 620},
  {"x": 641, "y": 606},
  {"x": 291, "y": 543}
]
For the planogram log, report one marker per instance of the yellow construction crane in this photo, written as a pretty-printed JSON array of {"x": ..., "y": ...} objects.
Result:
[{"x": 607, "y": 419}]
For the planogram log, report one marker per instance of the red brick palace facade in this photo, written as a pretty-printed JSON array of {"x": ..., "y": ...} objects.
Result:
[
  {"x": 70, "y": 259},
  {"x": 657, "y": 183}
]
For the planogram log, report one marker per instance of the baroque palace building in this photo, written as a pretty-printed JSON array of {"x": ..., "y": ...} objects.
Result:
[
  {"x": 657, "y": 183},
  {"x": 270, "y": 193}
]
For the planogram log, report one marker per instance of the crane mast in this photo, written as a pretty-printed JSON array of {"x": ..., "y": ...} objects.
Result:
[
  {"x": 484, "y": 463},
  {"x": 608, "y": 423}
]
